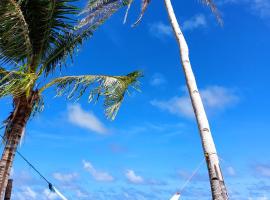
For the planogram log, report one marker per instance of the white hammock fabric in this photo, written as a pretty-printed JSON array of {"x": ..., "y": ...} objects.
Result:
[{"x": 176, "y": 196}]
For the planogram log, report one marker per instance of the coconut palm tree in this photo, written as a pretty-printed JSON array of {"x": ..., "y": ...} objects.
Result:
[
  {"x": 36, "y": 38},
  {"x": 218, "y": 188}
]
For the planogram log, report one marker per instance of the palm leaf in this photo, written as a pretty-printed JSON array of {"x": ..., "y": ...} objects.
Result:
[
  {"x": 15, "y": 44},
  {"x": 98, "y": 11},
  {"x": 145, "y": 4},
  {"x": 63, "y": 47},
  {"x": 214, "y": 9},
  {"x": 112, "y": 88},
  {"x": 15, "y": 83},
  {"x": 48, "y": 21}
]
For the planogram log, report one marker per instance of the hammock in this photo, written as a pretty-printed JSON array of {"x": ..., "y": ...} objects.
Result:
[
  {"x": 54, "y": 190},
  {"x": 176, "y": 196}
]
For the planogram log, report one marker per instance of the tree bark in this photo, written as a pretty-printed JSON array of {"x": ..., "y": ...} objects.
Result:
[
  {"x": 14, "y": 130},
  {"x": 8, "y": 190},
  {"x": 218, "y": 187}
]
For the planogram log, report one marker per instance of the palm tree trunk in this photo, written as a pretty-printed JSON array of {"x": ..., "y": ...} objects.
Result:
[
  {"x": 8, "y": 190},
  {"x": 218, "y": 188},
  {"x": 14, "y": 130}
]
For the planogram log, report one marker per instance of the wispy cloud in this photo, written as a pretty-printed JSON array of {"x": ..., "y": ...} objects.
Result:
[
  {"x": 160, "y": 30},
  {"x": 260, "y": 8},
  {"x": 68, "y": 177},
  {"x": 50, "y": 195},
  {"x": 215, "y": 98},
  {"x": 263, "y": 170},
  {"x": 96, "y": 174},
  {"x": 87, "y": 120},
  {"x": 133, "y": 177},
  {"x": 28, "y": 192},
  {"x": 157, "y": 80},
  {"x": 230, "y": 171},
  {"x": 197, "y": 21}
]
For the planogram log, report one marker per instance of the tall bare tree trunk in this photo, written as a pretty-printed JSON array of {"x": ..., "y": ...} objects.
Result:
[
  {"x": 14, "y": 130},
  {"x": 218, "y": 188},
  {"x": 8, "y": 190}
]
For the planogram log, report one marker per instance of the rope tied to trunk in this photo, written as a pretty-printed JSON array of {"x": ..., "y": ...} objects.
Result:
[
  {"x": 178, "y": 194},
  {"x": 50, "y": 185}
]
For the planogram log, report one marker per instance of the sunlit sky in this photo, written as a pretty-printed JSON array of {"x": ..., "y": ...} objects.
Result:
[{"x": 153, "y": 145}]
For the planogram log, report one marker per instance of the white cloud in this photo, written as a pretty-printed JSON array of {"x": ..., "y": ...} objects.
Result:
[
  {"x": 157, "y": 80},
  {"x": 160, "y": 30},
  {"x": 231, "y": 171},
  {"x": 28, "y": 192},
  {"x": 133, "y": 178},
  {"x": 261, "y": 7},
  {"x": 50, "y": 195},
  {"x": 25, "y": 193},
  {"x": 80, "y": 194},
  {"x": 263, "y": 170},
  {"x": 97, "y": 175},
  {"x": 87, "y": 120},
  {"x": 215, "y": 98},
  {"x": 196, "y": 21},
  {"x": 65, "y": 177}
]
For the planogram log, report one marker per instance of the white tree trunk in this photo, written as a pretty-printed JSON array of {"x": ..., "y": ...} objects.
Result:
[{"x": 216, "y": 179}]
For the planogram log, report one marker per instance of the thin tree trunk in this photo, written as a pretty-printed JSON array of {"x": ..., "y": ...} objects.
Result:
[
  {"x": 8, "y": 190},
  {"x": 218, "y": 188},
  {"x": 14, "y": 130}
]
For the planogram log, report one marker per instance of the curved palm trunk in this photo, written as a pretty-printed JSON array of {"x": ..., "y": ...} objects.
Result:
[
  {"x": 218, "y": 188},
  {"x": 14, "y": 130}
]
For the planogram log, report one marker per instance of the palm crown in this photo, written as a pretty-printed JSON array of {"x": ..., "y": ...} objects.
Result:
[{"x": 37, "y": 36}]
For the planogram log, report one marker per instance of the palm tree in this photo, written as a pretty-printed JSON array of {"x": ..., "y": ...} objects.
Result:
[
  {"x": 218, "y": 188},
  {"x": 36, "y": 38},
  {"x": 219, "y": 191}
]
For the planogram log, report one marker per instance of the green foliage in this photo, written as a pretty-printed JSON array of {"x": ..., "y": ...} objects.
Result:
[
  {"x": 16, "y": 83},
  {"x": 98, "y": 11},
  {"x": 112, "y": 88},
  {"x": 49, "y": 21},
  {"x": 15, "y": 44},
  {"x": 63, "y": 48},
  {"x": 38, "y": 36}
]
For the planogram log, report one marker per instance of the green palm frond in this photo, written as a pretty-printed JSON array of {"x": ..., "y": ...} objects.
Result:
[
  {"x": 112, "y": 88},
  {"x": 98, "y": 11},
  {"x": 63, "y": 47},
  {"x": 48, "y": 21},
  {"x": 15, "y": 83},
  {"x": 15, "y": 44}
]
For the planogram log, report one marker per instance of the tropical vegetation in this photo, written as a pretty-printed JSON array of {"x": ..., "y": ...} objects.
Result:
[{"x": 36, "y": 39}]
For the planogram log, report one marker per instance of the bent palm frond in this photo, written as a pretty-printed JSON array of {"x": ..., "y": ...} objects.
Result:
[
  {"x": 98, "y": 11},
  {"x": 112, "y": 88},
  {"x": 214, "y": 9},
  {"x": 48, "y": 21},
  {"x": 15, "y": 83},
  {"x": 15, "y": 44},
  {"x": 145, "y": 4},
  {"x": 63, "y": 47}
]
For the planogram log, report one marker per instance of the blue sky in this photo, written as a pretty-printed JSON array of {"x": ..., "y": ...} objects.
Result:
[{"x": 153, "y": 145}]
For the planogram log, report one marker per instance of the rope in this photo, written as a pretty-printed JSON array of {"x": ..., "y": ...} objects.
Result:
[
  {"x": 192, "y": 175},
  {"x": 50, "y": 185}
]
